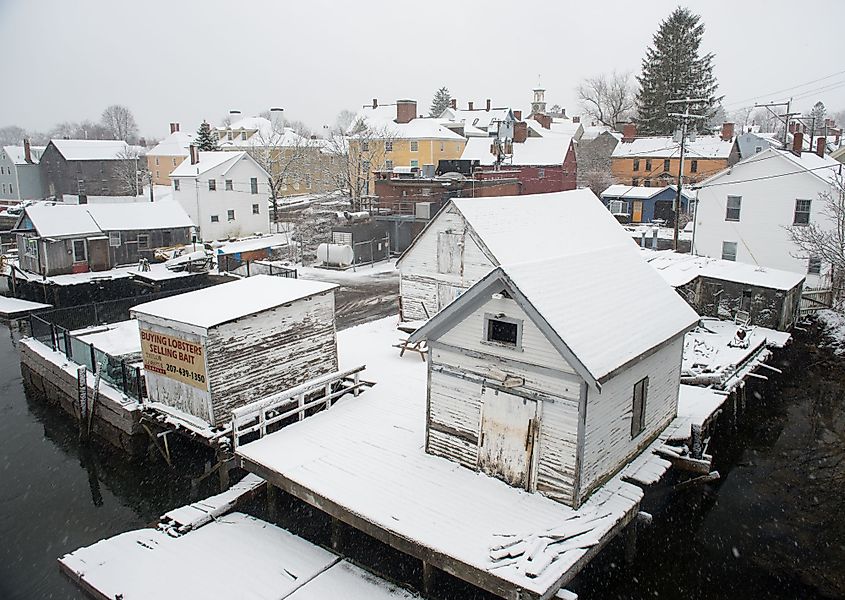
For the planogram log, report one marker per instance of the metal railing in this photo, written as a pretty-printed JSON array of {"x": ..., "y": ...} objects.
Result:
[
  {"x": 318, "y": 393},
  {"x": 260, "y": 267}
]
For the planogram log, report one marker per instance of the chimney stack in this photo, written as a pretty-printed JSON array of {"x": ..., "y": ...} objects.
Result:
[
  {"x": 821, "y": 146},
  {"x": 520, "y": 132},
  {"x": 727, "y": 132},
  {"x": 469, "y": 106},
  {"x": 234, "y": 115},
  {"x": 629, "y": 132},
  {"x": 545, "y": 121},
  {"x": 488, "y": 104},
  {"x": 27, "y": 151},
  {"x": 406, "y": 111},
  {"x": 375, "y": 102},
  {"x": 797, "y": 142},
  {"x": 195, "y": 155},
  {"x": 277, "y": 121},
  {"x": 453, "y": 103},
  {"x": 517, "y": 115},
  {"x": 576, "y": 120},
  {"x": 173, "y": 128},
  {"x": 178, "y": 127}
]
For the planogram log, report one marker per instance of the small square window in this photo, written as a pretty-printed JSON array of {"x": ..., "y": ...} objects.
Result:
[
  {"x": 365, "y": 146},
  {"x": 640, "y": 398},
  {"x": 229, "y": 185},
  {"x": 212, "y": 185},
  {"x": 814, "y": 266},
  {"x": 734, "y": 206},
  {"x": 388, "y": 165},
  {"x": 729, "y": 251},
  {"x": 215, "y": 219},
  {"x": 114, "y": 239},
  {"x": 388, "y": 146},
  {"x": 230, "y": 214},
  {"x": 143, "y": 241},
  {"x": 415, "y": 146},
  {"x": 415, "y": 164},
  {"x": 503, "y": 331},
  {"x": 802, "y": 212},
  {"x": 541, "y": 173},
  {"x": 255, "y": 209},
  {"x": 176, "y": 184}
]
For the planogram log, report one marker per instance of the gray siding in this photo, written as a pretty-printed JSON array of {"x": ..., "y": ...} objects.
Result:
[{"x": 99, "y": 177}]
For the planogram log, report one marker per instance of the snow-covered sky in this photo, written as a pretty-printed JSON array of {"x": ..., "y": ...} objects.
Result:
[{"x": 189, "y": 60}]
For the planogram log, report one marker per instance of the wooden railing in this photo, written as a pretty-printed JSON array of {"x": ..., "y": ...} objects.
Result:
[{"x": 320, "y": 392}]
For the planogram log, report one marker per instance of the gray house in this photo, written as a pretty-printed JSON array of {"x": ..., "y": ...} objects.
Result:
[
  {"x": 57, "y": 239},
  {"x": 90, "y": 167},
  {"x": 750, "y": 143},
  {"x": 20, "y": 178}
]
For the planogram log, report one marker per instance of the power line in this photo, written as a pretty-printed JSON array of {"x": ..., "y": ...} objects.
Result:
[
  {"x": 800, "y": 85},
  {"x": 700, "y": 187}
]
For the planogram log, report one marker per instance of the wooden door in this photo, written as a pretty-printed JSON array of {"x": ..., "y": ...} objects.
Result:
[
  {"x": 637, "y": 216},
  {"x": 506, "y": 437},
  {"x": 446, "y": 293}
]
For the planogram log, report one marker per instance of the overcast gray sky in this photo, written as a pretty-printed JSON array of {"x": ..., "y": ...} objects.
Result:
[{"x": 188, "y": 60}]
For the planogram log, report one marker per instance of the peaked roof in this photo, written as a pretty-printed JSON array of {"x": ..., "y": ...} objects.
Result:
[
  {"x": 51, "y": 219},
  {"x": 175, "y": 144},
  {"x": 479, "y": 118},
  {"x": 825, "y": 168},
  {"x": 618, "y": 190},
  {"x": 381, "y": 120},
  {"x": 16, "y": 154},
  {"x": 704, "y": 146},
  {"x": 209, "y": 161},
  {"x": 92, "y": 149}
]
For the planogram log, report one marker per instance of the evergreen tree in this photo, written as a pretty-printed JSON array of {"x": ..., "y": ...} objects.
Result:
[
  {"x": 206, "y": 140},
  {"x": 673, "y": 70},
  {"x": 817, "y": 115},
  {"x": 441, "y": 101}
]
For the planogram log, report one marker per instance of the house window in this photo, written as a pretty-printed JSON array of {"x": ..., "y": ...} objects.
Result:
[
  {"x": 647, "y": 183},
  {"x": 388, "y": 164},
  {"x": 388, "y": 146},
  {"x": 541, "y": 173},
  {"x": 729, "y": 251},
  {"x": 212, "y": 185},
  {"x": 802, "y": 212},
  {"x": 156, "y": 160},
  {"x": 733, "y": 209},
  {"x": 618, "y": 207},
  {"x": 639, "y": 406},
  {"x": 426, "y": 191},
  {"x": 79, "y": 251},
  {"x": 758, "y": 149},
  {"x": 215, "y": 219},
  {"x": 229, "y": 186},
  {"x": 442, "y": 146},
  {"x": 11, "y": 189},
  {"x": 502, "y": 330},
  {"x": 229, "y": 135},
  {"x": 415, "y": 164},
  {"x": 174, "y": 162},
  {"x": 143, "y": 241},
  {"x": 693, "y": 166},
  {"x": 255, "y": 209},
  {"x": 243, "y": 135},
  {"x": 648, "y": 164},
  {"x": 666, "y": 165},
  {"x": 636, "y": 164},
  {"x": 114, "y": 239},
  {"x": 253, "y": 185},
  {"x": 230, "y": 214},
  {"x": 4, "y": 188},
  {"x": 31, "y": 247},
  {"x": 176, "y": 184},
  {"x": 635, "y": 181},
  {"x": 365, "y": 146},
  {"x": 157, "y": 175},
  {"x": 415, "y": 146},
  {"x": 814, "y": 266}
]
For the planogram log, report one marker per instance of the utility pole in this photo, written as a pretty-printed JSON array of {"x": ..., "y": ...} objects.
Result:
[
  {"x": 784, "y": 118},
  {"x": 684, "y": 117}
]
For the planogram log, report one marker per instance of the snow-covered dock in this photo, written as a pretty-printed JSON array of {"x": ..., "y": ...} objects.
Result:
[
  {"x": 364, "y": 463},
  {"x": 14, "y": 308}
]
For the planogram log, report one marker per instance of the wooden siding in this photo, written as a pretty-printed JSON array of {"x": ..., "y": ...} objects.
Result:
[
  {"x": 454, "y": 418},
  {"x": 259, "y": 355},
  {"x": 556, "y": 465},
  {"x": 607, "y": 436}
]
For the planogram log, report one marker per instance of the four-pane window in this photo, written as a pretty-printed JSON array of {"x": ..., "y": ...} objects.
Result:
[
  {"x": 729, "y": 251},
  {"x": 802, "y": 212},
  {"x": 733, "y": 208}
]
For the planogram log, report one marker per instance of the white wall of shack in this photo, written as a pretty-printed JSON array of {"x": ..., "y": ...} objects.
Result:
[
  {"x": 421, "y": 283},
  {"x": 607, "y": 436}
]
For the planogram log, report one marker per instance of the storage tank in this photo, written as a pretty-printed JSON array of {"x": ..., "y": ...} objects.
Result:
[{"x": 335, "y": 255}]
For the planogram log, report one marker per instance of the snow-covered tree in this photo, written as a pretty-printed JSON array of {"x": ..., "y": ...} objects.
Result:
[
  {"x": 131, "y": 171},
  {"x": 120, "y": 123},
  {"x": 816, "y": 117},
  {"x": 206, "y": 140},
  {"x": 344, "y": 120},
  {"x": 673, "y": 69},
  {"x": 441, "y": 101},
  {"x": 609, "y": 99}
]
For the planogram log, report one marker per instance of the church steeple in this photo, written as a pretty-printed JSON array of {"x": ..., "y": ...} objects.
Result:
[{"x": 538, "y": 106}]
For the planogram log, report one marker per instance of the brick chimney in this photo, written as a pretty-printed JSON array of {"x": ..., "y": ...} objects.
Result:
[
  {"x": 520, "y": 132},
  {"x": 469, "y": 106},
  {"x": 195, "y": 155},
  {"x": 453, "y": 103},
  {"x": 27, "y": 151},
  {"x": 545, "y": 121},
  {"x": 797, "y": 142},
  {"x": 406, "y": 111},
  {"x": 173, "y": 128},
  {"x": 629, "y": 132},
  {"x": 576, "y": 120},
  {"x": 727, "y": 132},
  {"x": 517, "y": 114},
  {"x": 821, "y": 146},
  {"x": 375, "y": 102},
  {"x": 488, "y": 104}
]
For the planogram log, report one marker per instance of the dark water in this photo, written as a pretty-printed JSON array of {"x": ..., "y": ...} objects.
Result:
[{"x": 773, "y": 527}]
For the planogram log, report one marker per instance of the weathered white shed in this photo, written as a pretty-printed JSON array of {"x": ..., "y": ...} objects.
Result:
[
  {"x": 213, "y": 350},
  {"x": 537, "y": 378},
  {"x": 470, "y": 237}
]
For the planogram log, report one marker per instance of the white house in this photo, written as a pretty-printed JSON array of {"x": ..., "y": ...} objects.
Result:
[
  {"x": 535, "y": 375},
  {"x": 743, "y": 212},
  {"x": 226, "y": 194},
  {"x": 470, "y": 237}
]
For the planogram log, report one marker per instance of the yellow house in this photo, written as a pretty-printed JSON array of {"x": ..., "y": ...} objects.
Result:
[
  {"x": 168, "y": 154},
  {"x": 383, "y": 138}
]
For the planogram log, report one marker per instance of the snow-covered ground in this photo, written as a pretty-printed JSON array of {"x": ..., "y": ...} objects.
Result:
[{"x": 834, "y": 329}]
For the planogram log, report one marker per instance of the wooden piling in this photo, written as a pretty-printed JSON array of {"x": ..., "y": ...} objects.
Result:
[
  {"x": 429, "y": 577},
  {"x": 82, "y": 397},
  {"x": 271, "y": 502},
  {"x": 337, "y": 535}
]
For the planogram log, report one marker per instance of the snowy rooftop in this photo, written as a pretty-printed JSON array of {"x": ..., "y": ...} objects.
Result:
[
  {"x": 14, "y": 307},
  {"x": 207, "y": 162},
  {"x": 679, "y": 269},
  {"x": 257, "y": 243},
  {"x": 558, "y": 127},
  {"x": 632, "y": 192},
  {"x": 17, "y": 156},
  {"x": 92, "y": 149},
  {"x": 226, "y": 302},
  {"x": 704, "y": 146},
  {"x": 477, "y": 118},
  {"x": 175, "y": 144},
  {"x": 59, "y": 220},
  {"x": 441, "y": 507},
  {"x": 116, "y": 339},
  {"x": 533, "y": 151},
  {"x": 381, "y": 121}
]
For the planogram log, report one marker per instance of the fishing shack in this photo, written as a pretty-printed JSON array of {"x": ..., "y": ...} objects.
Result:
[{"x": 210, "y": 351}]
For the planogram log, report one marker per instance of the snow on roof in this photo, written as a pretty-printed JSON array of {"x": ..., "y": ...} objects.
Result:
[
  {"x": 826, "y": 168},
  {"x": 56, "y": 220},
  {"x": 164, "y": 214},
  {"x": 533, "y": 151},
  {"x": 639, "y": 192},
  {"x": 558, "y": 127},
  {"x": 381, "y": 121},
  {"x": 679, "y": 269},
  {"x": 257, "y": 243},
  {"x": 704, "y": 146},
  {"x": 175, "y": 144},
  {"x": 16, "y": 154},
  {"x": 478, "y": 118},
  {"x": 230, "y": 301},
  {"x": 207, "y": 162},
  {"x": 92, "y": 149}
]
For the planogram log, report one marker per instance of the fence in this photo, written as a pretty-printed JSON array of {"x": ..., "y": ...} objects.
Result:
[
  {"x": 814, "y": 300},
  {"x": 115, "y": 370},
  {"x": 258, "y": 267}
]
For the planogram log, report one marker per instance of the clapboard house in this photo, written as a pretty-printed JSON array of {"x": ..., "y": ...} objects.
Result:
[
  {"x": 56, "y": 239},
  {"x": 470, "y": 237},
  {"x": 210, "y": 351},
  {"x": 536, "y": 378},
  {"x": 90, "y": 167}
]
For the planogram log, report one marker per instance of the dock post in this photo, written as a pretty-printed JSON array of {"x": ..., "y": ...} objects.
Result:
[
  {"x": 271, "y": 502},
  {"x": 696, "y": 449},
  {"x": 82, "y": 395},
  {"x": 631, "y": 542},
  {"x": 337, "y": 535},
  {"x": 429, "y": 576},
  {"x": 223, "y": 472}
]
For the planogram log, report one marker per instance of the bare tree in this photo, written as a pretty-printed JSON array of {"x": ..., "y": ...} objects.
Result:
[
  {"x": 131, "y": 171},
  {"x": 344, "y": 120},
  {"x": 119, "y": 122},
  {"x": 607, "y": 98},
  {"x": 824, "y": 239},
  {"x": 85, "y": 130},
  {"x": 742, "y": 117},
  {"x": 12, "y": 135}
]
